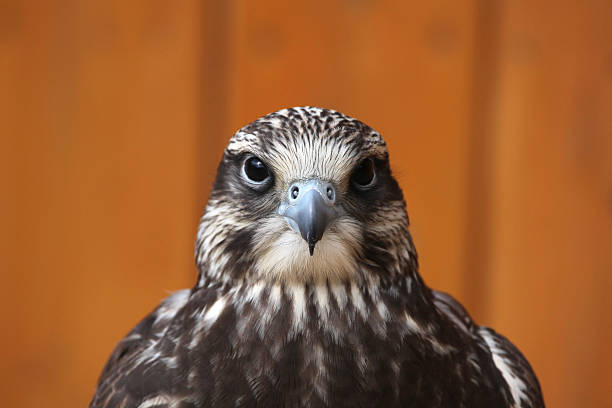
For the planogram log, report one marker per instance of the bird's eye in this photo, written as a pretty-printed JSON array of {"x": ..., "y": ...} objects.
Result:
[
  {"x": 255, "y": 170},
  {"x": 364, "y": 174}
]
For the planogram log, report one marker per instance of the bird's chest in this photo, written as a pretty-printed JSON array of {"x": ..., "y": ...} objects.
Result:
[{"x": 305, "y": 355}]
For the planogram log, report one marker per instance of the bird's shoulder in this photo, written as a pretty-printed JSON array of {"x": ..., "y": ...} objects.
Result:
[
  {"x": 121, "y": 363},
  {"x": 508, "y": 360},
  {"x": 453, "y": 310}
]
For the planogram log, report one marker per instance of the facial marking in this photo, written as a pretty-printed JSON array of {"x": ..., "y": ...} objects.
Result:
[{"x": 314, "y": 237}]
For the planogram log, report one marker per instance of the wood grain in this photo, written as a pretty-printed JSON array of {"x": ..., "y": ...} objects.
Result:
[
  {"x": 104, "y": 116},
  {"x": 552, "y": 198}
]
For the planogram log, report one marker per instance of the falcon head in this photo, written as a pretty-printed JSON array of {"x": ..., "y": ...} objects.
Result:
[{"x": 304, "y": 194}]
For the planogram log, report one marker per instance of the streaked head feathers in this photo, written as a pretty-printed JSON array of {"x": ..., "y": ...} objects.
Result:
[{"x": 296, "y": 145}]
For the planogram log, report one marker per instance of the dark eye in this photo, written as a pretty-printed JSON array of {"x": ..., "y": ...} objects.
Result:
[
  {"x": 255, "y": 171},
  {"x": 364, "y": 174}
]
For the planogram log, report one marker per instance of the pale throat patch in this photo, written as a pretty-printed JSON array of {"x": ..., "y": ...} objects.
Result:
[{"x": 282, "y": 254}]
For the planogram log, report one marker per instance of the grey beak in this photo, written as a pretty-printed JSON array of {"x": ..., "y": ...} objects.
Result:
[{"x": 309, "y": 209}]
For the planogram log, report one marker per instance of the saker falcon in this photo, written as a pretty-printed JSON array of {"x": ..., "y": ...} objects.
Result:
[{"x": 308, "y": 292}]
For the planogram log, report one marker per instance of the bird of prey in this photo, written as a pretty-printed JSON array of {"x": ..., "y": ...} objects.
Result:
[{"x": 308, "y": 293}]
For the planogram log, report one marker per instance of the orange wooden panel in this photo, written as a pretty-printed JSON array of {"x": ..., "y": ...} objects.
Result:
[
  {"x": 405, "y": 68},
  {"x": 103, "y": 122},
  {"x": 551, "y": 223}
]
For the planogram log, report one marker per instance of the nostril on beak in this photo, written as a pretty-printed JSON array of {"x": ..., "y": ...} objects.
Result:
[
  {"x": 331, "y": 194},
  {"x": 295, "y": 192}
]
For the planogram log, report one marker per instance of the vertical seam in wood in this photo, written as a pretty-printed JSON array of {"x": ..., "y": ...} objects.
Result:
[
  {"x": 214, "y": 95},
  {"x": 481, "y": 163}
]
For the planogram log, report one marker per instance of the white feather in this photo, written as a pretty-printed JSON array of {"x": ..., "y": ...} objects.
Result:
[{"x": 516, "y": 385}]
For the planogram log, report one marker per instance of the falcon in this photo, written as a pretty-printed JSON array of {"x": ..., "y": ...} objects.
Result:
[{"x": 308, "y": 292}]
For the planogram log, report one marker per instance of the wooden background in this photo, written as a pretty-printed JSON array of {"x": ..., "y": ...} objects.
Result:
[{"x": 114, "y": 115}]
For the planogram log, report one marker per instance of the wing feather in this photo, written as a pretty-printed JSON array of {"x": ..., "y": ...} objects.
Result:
[
  {"x": 121, "y": 362},
  {"x": 515, "y": 369},
  {"x": 508, "y": 360}
]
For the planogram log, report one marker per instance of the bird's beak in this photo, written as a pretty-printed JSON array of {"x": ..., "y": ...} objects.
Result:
[{"x": 310, "y": 207}]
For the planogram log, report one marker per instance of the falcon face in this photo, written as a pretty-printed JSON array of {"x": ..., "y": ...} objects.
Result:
[
  {"x": 305, "y": 195},
  {"x": 308, "y": 292}
]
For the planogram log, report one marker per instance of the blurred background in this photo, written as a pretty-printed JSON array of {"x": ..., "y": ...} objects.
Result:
[{"x": 114, "y": 115}]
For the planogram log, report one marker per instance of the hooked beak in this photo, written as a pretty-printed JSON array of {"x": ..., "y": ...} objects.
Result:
[{"x": 309, "y": 208}]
